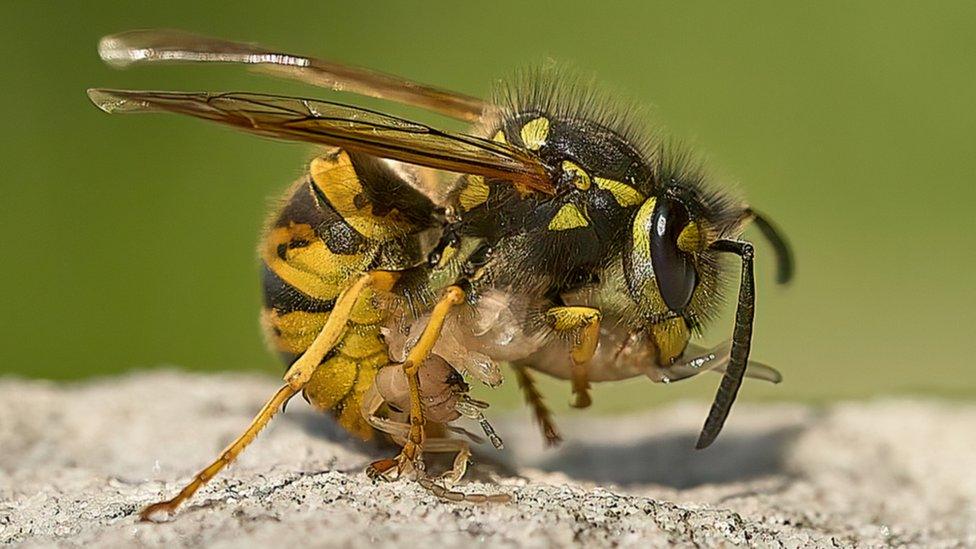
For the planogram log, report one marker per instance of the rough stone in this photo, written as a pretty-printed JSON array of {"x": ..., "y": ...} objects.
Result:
[{"x": 77, "y": 462}]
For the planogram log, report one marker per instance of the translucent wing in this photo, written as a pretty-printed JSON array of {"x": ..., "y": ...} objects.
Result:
[
  {"x": 174, "y": 46},
  {"x": 352, "y": 128}
]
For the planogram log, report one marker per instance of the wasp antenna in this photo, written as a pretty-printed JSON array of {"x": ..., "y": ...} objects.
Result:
[
  {"x": 785, "y": 263},
  {"x": 741, "y": 343}
]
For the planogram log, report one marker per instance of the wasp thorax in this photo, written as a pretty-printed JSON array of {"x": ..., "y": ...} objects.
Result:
[{"x": 578, "y": 152}]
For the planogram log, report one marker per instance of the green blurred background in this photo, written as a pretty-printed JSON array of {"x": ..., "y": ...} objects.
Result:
[{"x": 129, "y": 241}]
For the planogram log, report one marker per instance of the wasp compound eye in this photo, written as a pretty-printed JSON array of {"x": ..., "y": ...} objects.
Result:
[{"x": 674, "y": 269}]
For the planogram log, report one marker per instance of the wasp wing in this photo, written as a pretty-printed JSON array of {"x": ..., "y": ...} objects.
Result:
[
  {"x": 334, "y": 124},
  {"x": 174, "y": 46}
]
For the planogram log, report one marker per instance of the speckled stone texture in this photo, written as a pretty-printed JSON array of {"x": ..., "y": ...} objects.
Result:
[{"x": 78, "y": 461}]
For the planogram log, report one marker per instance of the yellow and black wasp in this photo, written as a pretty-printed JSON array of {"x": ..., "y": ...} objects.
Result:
[{"x": 571, "y": 244}]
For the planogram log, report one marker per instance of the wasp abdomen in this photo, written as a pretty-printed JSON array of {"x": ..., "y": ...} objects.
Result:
[{"x": 334, "y": 225}]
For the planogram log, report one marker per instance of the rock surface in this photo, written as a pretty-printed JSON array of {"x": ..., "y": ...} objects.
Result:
[{"x": 78, "y": 461}]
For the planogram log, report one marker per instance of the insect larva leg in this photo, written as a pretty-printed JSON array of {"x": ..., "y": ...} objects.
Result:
[
  {"x": 226, "y": 457},
  {"x": 458, "y": 497},
  {"x": 584, "y": 324},
  {"x": 399, "y": 431},
  {"x": 461, "y": 459},
  {"x": 472, "y": 409},
  {"x": 534, "y": 399}
]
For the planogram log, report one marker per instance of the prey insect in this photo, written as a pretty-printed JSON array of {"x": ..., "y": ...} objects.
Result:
[{"x": 554, "y": 236}]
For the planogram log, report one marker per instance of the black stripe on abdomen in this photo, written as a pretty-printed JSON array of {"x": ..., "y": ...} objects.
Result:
[{"x": 285, "y": 298}]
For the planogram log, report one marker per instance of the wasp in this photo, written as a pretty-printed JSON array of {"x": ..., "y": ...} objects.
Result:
[{"x": 556, "y": 236}]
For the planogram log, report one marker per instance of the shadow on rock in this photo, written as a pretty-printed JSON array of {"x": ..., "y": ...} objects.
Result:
[
  {"x": 324, "y": 426},
  {"x": 672, "y": 460},
  {"x": 484, "y": 462}
]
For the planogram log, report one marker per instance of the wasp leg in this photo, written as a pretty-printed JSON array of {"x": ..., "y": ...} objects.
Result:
[
  {"x": 413, "y": 446},
  {"x": 534, "y": 399},
  {"x": 301, "y": 370},
  {"x": 584, "y": 323},
  {"x": 442, "y": 489},
  {"x": 386, "y": 469},
  {"x": 438, "y": 487},
  {"x": 230, "y": 453},
  {"x": 400, "y": 433},
  {"x": 296, "y": 378}
]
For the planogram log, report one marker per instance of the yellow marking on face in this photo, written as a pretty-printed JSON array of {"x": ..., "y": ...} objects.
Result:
[
  {"x": 641, "y": 229},
  {"x": 535, "y": 132},
  {"x": 568, "y": 217},
  {"x": 690, "y": 239},
  {"x": 624, "y": 194},
  {"x": 313, "y": 268},
  {"x": 648, "y": 298},
  {"x": 336, "y": 178},
  {"x": 474, "y": 193},
  {"x": 671, "y": 338},
  {"x": 499, "y": 137},
  {"x": 581, "y": 179}
]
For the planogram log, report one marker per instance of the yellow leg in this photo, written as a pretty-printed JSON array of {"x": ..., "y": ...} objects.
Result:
[
  {"x": 296, "y": 378},
  {"x": 413, "y": 447},
  {"x": 226, "y": 457},
  {"x": 399, "y": 432},
  {"x": 534, "y": 399},
  {"x": 584, "y": 322},
  {"x": 301, "y": 371}
]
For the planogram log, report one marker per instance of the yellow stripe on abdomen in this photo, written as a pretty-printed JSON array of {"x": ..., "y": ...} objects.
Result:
[
  {"x": 325, "y": 236},
  {"x": 336, "y": 179},
  {"x": 299, "y": 257},
  {"x": 341, "y": 381}
]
